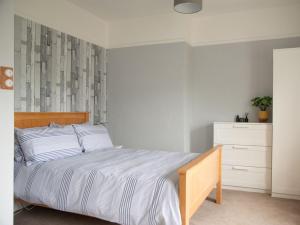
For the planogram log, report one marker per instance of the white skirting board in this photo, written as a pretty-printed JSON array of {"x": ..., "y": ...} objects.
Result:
[
  {"x": 277, "y": 195},
  {"x": 273, "y": 195},
  {"x": 246, "y": 189}
]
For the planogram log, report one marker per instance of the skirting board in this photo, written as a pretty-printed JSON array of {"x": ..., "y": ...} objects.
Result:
[
  {"x": 277, "y": 195},
  {"x": 246, "y": 189}
]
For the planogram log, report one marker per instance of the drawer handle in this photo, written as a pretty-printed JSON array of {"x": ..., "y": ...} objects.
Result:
[
  {"x": 239, "y": 168},
  {"x": 240, "y": 127},
  {"x": 240, "y": 148}
]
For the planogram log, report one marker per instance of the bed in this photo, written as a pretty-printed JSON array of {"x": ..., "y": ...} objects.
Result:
[{"x": 125, "y": 186}]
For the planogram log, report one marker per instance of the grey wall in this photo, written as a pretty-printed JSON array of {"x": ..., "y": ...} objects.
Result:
[
  {"x": 146, "y": 96},
  {"x": 167, "y": 96},
  {"x": 55, "y": 71},
  {"x": 222, "y": 81}
]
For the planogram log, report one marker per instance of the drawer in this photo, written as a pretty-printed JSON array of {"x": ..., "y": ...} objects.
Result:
[
  {"x": 242, "y": 155},
  {"x": 243, "y": 134},
  {"x": 248, "y": 177}
]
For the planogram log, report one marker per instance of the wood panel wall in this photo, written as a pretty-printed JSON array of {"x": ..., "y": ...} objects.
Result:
[{"x": 56, "y": 72}]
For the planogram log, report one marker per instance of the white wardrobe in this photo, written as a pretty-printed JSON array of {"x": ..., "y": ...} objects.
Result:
[{"x": 286, "y": 124}]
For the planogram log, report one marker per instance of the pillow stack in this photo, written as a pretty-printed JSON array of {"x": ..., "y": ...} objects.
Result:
[
  {"x": 41, "y": 144},
  {"x": 44, "y": 144},
  {"x": 92, "y": 138}
]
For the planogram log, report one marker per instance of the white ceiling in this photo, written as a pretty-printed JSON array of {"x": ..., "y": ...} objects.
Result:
[{"x": 112, "y": 10}]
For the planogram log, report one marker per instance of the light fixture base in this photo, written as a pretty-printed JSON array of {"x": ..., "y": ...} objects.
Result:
[{"x": 187, "y": 6}]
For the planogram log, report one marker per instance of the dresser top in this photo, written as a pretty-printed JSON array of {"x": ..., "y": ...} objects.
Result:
[{"x": 270, "y": 124}]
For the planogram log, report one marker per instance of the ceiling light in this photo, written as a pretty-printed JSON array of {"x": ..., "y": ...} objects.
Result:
[{"x": 187, "y": 6}]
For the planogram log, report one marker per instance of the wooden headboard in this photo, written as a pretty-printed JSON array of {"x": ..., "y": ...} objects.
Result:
[{"x": 39, "y": 119}]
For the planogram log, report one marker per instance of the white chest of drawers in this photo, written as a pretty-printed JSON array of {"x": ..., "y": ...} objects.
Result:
[{"x": 247, "y": 154}]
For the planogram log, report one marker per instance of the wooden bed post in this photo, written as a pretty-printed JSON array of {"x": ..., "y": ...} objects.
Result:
[
  {"x": 219, "y": 197},
  {"x": 196, "y": 181},
  {"x": 183, "y": 199}
]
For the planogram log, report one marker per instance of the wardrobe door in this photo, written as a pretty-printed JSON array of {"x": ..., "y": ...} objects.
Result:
[{"x": 286, "y": 124}]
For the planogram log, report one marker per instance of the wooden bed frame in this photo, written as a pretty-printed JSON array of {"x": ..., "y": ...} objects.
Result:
[{"x": 196, "y": 179}]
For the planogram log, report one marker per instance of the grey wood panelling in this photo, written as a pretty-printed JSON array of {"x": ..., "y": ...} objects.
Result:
[{"x": 57, "y": 72}]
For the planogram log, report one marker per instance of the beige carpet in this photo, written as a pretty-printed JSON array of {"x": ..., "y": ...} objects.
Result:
[{"x": 238, "y": 208}]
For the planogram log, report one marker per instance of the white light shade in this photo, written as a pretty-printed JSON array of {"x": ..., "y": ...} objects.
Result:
[{"x": 187, "y": 6}]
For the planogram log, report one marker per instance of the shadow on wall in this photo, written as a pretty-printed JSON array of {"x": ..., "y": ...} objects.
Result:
[{"x": 201, "y": 138}]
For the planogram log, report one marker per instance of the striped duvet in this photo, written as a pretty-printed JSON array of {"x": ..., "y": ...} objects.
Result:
[{"x": 129, "y": 187}]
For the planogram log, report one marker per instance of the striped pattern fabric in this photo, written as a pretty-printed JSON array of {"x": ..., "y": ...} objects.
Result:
[
  {"x": 128, "y": 187},
  {"x": 30, "y": 181},
  {"x": 64, "y": 189},
  {"x": 17, "y": 168},
  {"x": 48, "y": 143},
  {"x": 93, "y": 137},
  {"x": 18, "y": 154},
  {"x": 155, "y": 201},
  {"x": 126, "y": 201},
  {"x": 87, "y": 191}
]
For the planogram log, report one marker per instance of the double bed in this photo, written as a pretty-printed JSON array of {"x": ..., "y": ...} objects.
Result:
[{"x": 125, "y": 186}]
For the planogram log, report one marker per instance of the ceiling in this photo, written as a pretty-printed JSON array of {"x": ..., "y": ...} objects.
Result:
[{"x": 113, "y": 10}]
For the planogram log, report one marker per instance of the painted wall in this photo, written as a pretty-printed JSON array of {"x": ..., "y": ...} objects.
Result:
[
  {"x": 149, "y": 30},
  {"x": 68, "y": 18},
  {"x": 167, "y": 96},
  {"x": 244, "y": 26},
  {"x": 205, "y": 29},
  {"x": 6, "y": 115},
  {"x": 222, "y": 81},
  {"x": 56, "y": 72},
  {"x": 146, "y": 96}
]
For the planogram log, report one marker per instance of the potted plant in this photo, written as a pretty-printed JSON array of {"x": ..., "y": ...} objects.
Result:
[{"x": 263, "y": 103}]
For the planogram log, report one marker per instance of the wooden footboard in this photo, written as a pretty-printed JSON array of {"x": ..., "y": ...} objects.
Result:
[{"x": 196, "y": 181}]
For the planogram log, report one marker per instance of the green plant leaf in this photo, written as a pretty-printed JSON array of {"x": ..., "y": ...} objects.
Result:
[{"x": 263, "y": 103}]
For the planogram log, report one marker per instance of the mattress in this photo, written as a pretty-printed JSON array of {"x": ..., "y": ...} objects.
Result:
[{"x": 130, "y": 187}]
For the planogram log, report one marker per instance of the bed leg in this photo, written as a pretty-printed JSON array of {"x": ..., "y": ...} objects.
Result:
[
  {"x": 183, "y": 199},
  {"x": 219, "y": 184},
  {"x": 219, "y": 193},
  {"x": 185, "y": 222}
]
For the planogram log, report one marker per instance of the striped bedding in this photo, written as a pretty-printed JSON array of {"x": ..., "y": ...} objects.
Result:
[
  {"x": 42, "y": 144},
  {"x": 129, "y": 187},
  {"x": 92, "y": 137}
]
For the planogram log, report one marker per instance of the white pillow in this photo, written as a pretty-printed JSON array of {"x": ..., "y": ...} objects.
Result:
[
  {"x": 93, "y": 137},
  {"x": 48, "y": 143},
  {"x": 19, "y": 156}
]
